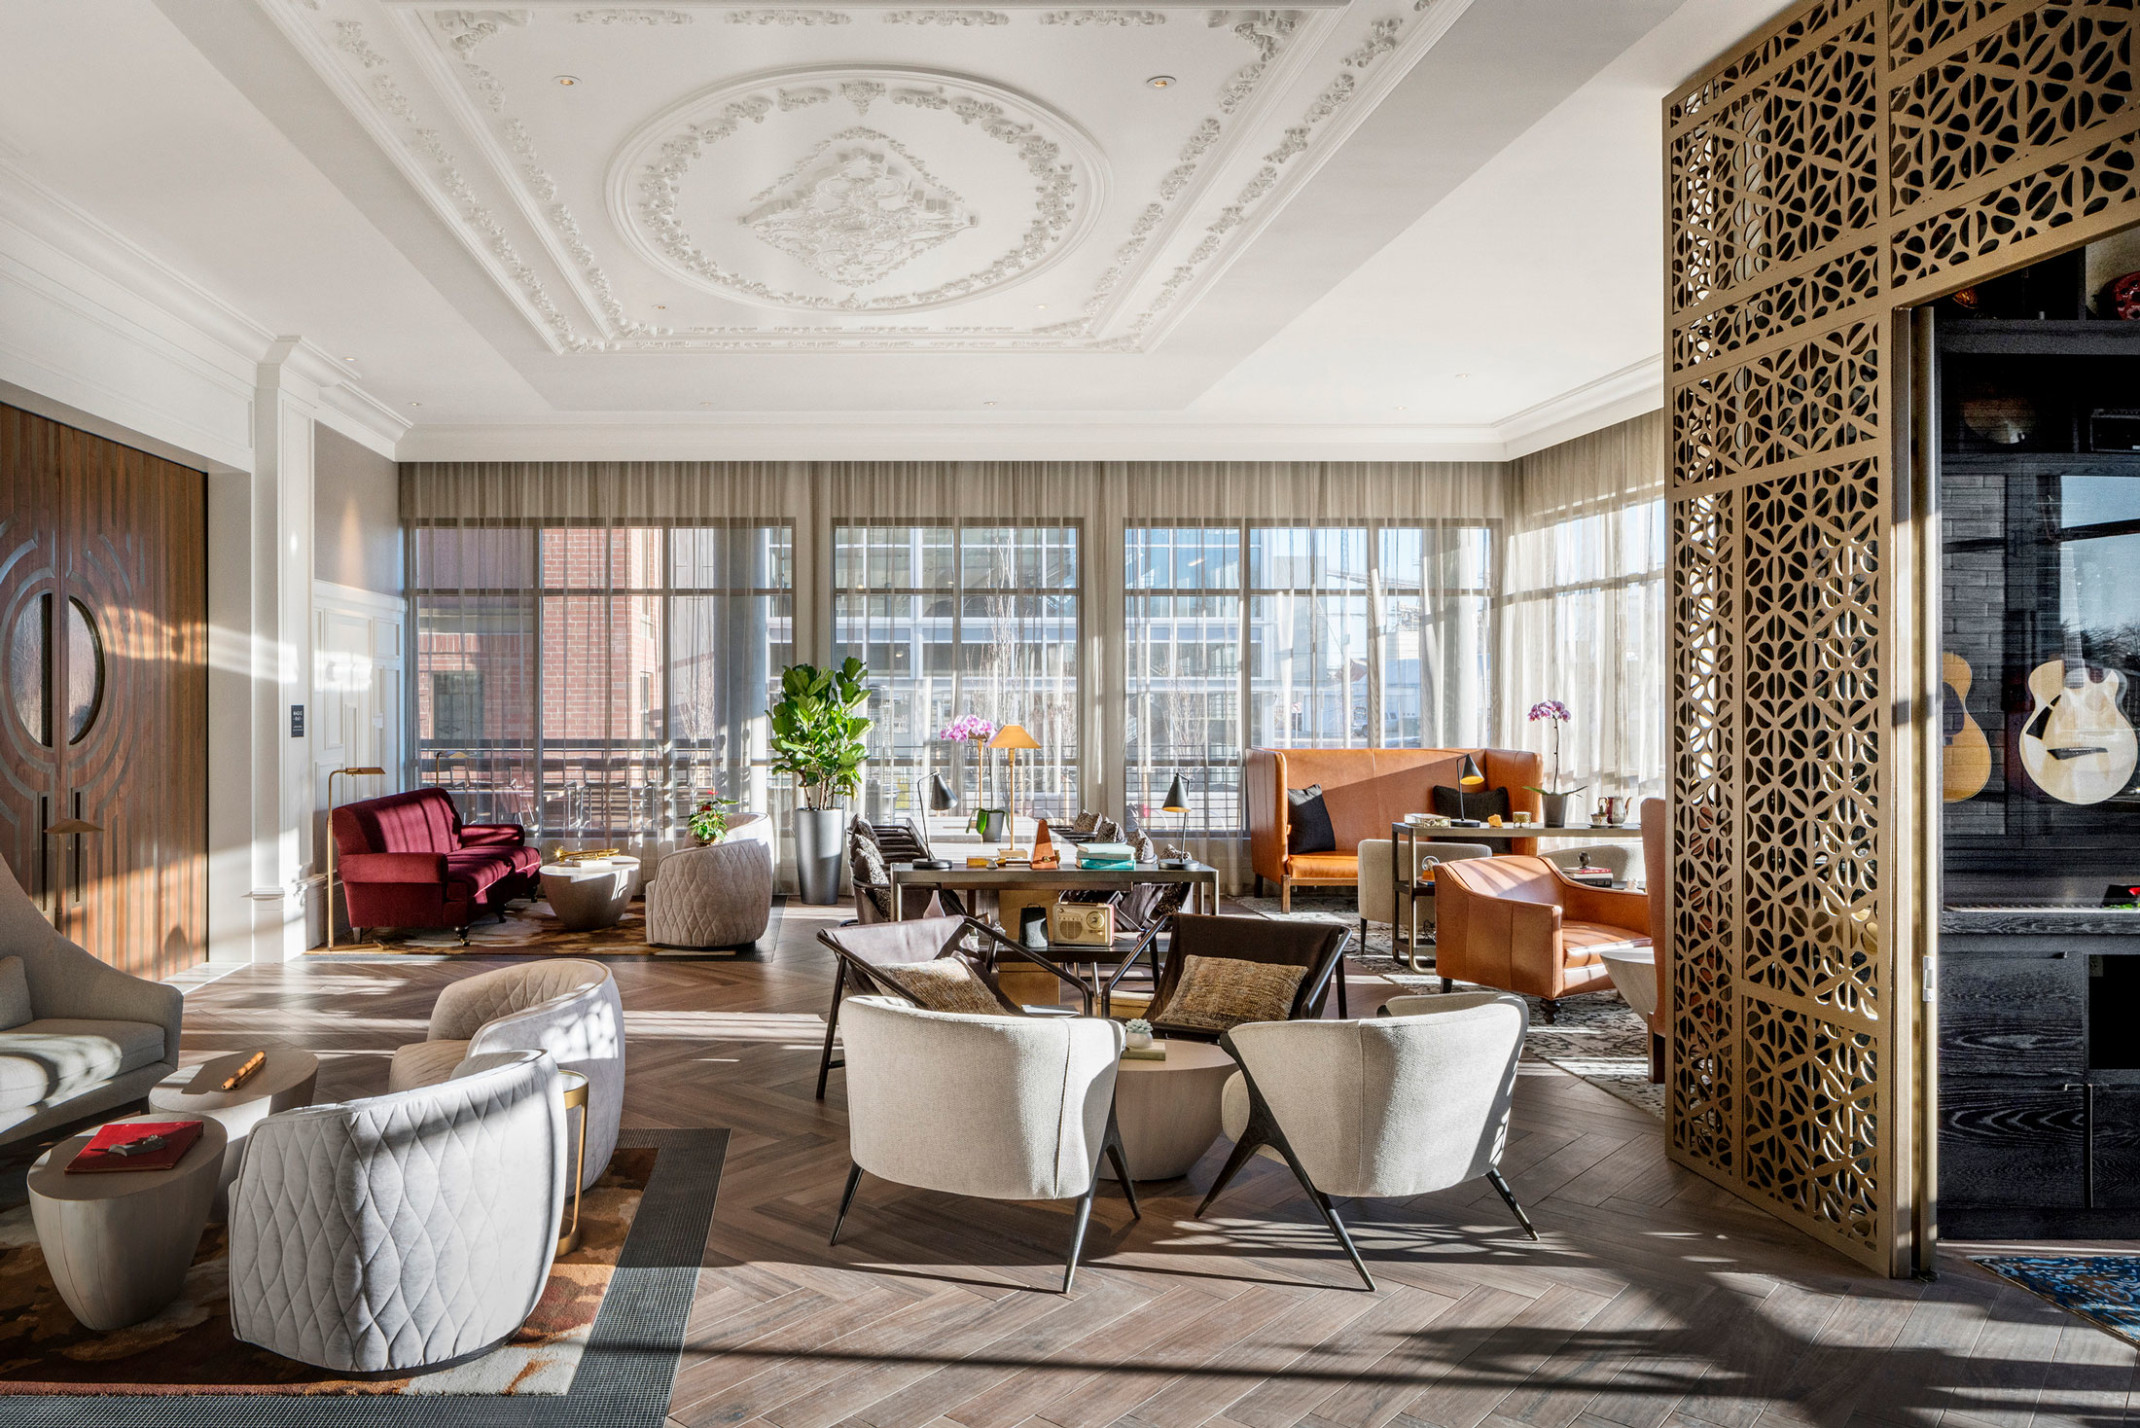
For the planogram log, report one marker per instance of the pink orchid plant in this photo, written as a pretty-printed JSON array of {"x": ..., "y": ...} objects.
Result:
[
  {"x": 1556, "y": 713},
  {"x": 968, "y": 726}
]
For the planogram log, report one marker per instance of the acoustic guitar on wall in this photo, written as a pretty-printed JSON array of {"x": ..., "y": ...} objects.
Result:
[
  {"x": 1968, "y": 753},
  {"x": 2077, "y": 744}
]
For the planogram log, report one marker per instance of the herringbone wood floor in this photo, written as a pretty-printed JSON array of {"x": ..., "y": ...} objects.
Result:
[{"x": 1653, "y": 1299}]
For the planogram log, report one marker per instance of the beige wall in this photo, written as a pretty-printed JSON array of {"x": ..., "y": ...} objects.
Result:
[{"x": 356, "y": 515}]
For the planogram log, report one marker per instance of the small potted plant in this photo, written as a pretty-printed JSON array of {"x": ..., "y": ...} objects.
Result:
[
  {"x": 709, "y": 821},
  {"x": 1138, "y": 1033},
  {"x": 817, "y": 739},
  {"x": 1555, "y": 797}
]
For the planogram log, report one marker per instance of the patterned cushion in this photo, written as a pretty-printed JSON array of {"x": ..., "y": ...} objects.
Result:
[
  {"x": 1220, "y": 993},
  {"x": 945, "y": 985}
]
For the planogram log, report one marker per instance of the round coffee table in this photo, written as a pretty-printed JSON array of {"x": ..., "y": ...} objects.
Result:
[
  {"x": 118, "y": 1243},
  {"x": 1169, "y": 1110},
  {"x": 586, "y": 896},
  {"x": 282, "y": 1083}
]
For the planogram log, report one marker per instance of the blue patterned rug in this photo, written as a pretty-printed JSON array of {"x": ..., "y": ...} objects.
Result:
[{"x": 2104, "y": 1289}]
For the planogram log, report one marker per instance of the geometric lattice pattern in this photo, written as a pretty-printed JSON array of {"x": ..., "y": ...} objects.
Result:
[{"x": 1856, "y": 156}]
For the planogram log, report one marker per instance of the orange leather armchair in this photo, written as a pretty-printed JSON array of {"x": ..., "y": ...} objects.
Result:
[{"x": 1520, "y": 925}]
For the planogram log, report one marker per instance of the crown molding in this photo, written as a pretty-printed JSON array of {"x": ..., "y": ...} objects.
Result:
[
  {"x": 1099, "y": 436},
  {"x": 102, "y": 276},
  {"x": 1632, "y": 391}
]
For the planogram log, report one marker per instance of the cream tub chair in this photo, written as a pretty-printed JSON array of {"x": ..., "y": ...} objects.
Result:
[
  {"x": 1379, "y": 901},
  {"x": 408, "y": 1231},
  {"x": 1413, "y": 1101},
  {"x": 998, "y": 1107},
  {"x": 567, "y": 1007}
]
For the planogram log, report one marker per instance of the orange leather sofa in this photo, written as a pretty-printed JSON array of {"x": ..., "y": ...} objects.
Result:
[
  {"x": 1521, "y": 925},
  {"x": 1365, "y": 790}
]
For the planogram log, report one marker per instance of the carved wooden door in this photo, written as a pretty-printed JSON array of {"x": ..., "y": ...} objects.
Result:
[{"x": 108, "y": 692}]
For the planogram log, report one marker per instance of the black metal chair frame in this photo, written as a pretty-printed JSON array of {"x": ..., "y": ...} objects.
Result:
[
  {"x": 1263, "y": 1129},
  {"x": 1110, "y": 1146},
  {"x": 1307, "y": 1000},
  {"x": 862, "y": 972}
]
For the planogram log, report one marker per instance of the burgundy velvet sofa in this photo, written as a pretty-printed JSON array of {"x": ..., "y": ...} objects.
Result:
[{"x": 407, "y": 860}]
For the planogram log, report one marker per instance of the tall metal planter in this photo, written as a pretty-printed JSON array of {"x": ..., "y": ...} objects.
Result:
[{"x": 820, "y": 848}]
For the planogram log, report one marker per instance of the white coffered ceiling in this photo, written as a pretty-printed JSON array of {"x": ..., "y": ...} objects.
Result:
[{"x": 576, "y": 223}]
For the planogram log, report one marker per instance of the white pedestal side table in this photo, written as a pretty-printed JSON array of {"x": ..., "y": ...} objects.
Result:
[
  {"x": 1168, "y": 1110},
  {"x": 589, "y": 895},
  {"x": 283, "y": 1082},
  {"x": 118, "y": 1243}
]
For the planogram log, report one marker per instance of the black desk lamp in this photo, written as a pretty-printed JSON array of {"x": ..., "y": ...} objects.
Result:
[
  {"x": 940, "y": 801},
  {"x": 1177, "y": 801},
  {"x": 1468, "y": 776}
]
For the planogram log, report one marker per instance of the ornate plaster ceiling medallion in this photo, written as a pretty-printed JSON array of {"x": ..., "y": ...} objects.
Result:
[
  {"x": 766, "y": 190},
  {"x": 858, "y": 208}
]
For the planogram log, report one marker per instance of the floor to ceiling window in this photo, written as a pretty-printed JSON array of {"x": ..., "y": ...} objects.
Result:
[
  {"x": 1321, "y": 635},
  {"x": 957, "y": 619},
  {"x": 597, "y": 680}
]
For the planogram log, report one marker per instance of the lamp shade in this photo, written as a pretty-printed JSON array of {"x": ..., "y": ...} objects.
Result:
[
  {"x": 1177, "y": 798},
  {"x": 1469, "y": 775},
  {"x": 363, "y": 772},
  {"x": 1013, "y": 736},
  {"x": 940, "y": 799}
]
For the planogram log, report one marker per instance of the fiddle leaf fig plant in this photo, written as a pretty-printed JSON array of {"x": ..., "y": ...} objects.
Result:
[{"x": 817, "y": 730}]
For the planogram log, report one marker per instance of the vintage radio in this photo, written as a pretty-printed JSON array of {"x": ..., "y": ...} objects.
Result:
[{"x": 1081, "y": 924}]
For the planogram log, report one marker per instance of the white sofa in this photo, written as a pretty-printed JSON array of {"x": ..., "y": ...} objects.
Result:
[
  {"x": 567, "y": 1007},
  {"x": 409, "y": 1231},
  {"x": 999, "y": 1107},
  {"x": 1410, "y": 1102},
  {"x": 77, "y": 1035}
]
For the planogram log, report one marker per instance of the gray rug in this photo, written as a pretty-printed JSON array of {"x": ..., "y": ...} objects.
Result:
[{"x": 1598, "y": 1036}]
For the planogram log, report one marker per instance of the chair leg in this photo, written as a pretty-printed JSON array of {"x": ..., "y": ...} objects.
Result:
[
  {"x": 832, "y": 1027},
  {"x": 1118, "y": 1155},
  {"x": 1494, "y": 1178},
  {"x": 1337, "y": 1227},
  {"x": 1077, "y": 1229},
  {"x": 1448, "y": 985},
  {"x": 1552, "y": 1010},
  {"x": 1343, "y": 1012},
  {"x": 847, "y": 1197},
  {"x": 1247, "y": 1145},
  {"x": 1285, "y": 895}
]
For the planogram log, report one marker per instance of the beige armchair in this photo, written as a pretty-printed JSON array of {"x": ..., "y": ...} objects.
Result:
[
  {"x": 1400, "y": 1105},
  {"x": 720, "y": 895},
  {"x": 566, "y": 1007},
  {"x": 914, "y": 1118},
  {"x": 1520, "y": 925}
]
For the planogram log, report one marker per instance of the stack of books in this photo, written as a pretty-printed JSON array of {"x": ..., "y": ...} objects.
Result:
[{"x": 1106, "y": 855}]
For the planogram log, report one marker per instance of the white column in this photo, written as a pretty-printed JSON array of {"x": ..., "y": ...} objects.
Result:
[{"x": 259, "y": 610}]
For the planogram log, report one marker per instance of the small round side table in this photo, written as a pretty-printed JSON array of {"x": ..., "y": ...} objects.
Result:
[
  {"x": 575, "y": 1086},
  {"x": 118, "y": 1243},
  {"x": 1168, "y": 1111},
  {"x": 589, "y": 895},
  {"x": 283, "y": 1082}
]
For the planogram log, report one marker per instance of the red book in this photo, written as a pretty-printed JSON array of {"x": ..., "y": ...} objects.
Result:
[{"x": 101, "y": 1153}]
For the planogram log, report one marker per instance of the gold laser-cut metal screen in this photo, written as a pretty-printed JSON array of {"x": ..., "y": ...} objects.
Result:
[{"x": 1855, "y": 158}]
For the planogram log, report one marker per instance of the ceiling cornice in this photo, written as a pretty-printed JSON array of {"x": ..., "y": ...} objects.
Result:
[
  {"x": 217, "y": 333},
  {"x": 1615, "y": 397}
]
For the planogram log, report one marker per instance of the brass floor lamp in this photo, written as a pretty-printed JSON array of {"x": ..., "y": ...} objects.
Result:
[
  {"x": 1011, "y": 738},
  {"x": 357, "y": 771}
]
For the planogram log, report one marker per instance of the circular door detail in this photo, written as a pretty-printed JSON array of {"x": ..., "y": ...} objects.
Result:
[{"x": 85, "y": 671}]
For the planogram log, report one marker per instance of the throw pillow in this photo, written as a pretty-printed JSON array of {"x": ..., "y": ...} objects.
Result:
[
  {"x": 1479, "y": 803},
  {"x": 14, "y": 994},
  {"x": 1221, "y": 993},
  {"x": 1309, "y": 830},
  {"x": 944, "y": 985},
  {"x": 865, "y": 862}
]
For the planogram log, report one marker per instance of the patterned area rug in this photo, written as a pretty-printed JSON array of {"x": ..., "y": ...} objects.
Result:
[
  {"x": 188, "y": 1348},
  {"x": 1598, "y": 1037},
  {"x": 2104, "y": 1289},
  {"x": 532, "y": 928}
]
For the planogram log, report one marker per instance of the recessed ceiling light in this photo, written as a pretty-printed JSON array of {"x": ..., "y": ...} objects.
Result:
[
  {"x": 349, "y": 359},
  {"x": 1404, "y": 409},
  {"x": 1040, "y": 307},
  {"x": 415, "y": 404},
  {"x": 661, "y": 307},
  {"x": 568, "y": 80},
  {"x": 988, "y": 404},
  {"x": 1161, "y": 81},
  {"x": 705, "y": 404},
  {"x": 1463, "y": 376}
]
